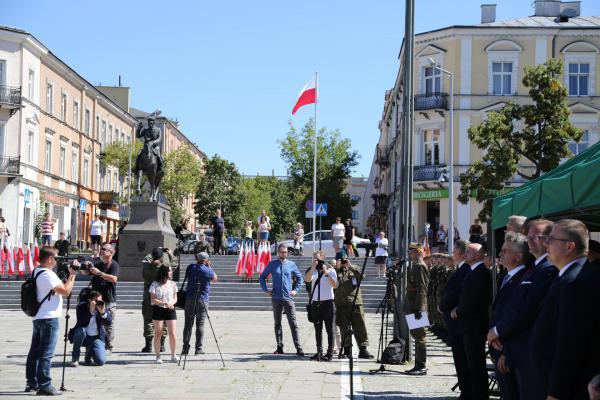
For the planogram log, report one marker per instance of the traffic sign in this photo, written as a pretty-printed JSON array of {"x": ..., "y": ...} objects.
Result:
[
  {"x": 82, "y": 205},
  {"x": 321, "y": 209},
  {"x": 27, "y": 197},
  {"x": 309, "y": 205}
]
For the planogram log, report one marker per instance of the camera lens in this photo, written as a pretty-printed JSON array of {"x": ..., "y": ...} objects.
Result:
[{"x": 99, "y": 303}]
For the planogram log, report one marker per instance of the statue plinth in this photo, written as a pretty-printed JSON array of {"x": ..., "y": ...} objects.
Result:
[{"x": 149, "y": 227}]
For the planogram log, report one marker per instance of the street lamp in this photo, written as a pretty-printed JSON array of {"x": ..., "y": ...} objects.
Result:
[{"x": 451, "y": 161}]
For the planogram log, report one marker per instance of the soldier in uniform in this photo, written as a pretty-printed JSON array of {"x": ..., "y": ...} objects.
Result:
[
  {"x": 203, "y": 245},
  {"x": 348, "y": 277},
  {"x": 150, "y": 265},
  {"x": 416, "y": 302}
]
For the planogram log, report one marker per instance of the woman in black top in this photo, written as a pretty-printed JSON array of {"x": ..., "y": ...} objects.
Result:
[{"x": 348, "y": 235}]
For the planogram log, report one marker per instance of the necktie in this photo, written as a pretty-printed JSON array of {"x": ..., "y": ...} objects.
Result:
[{"x": 504, "y": 280}]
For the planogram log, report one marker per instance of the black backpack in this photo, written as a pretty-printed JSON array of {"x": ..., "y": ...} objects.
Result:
[
  {"x": 29, "y": 303},
  {"x": 394, "y": 352}
]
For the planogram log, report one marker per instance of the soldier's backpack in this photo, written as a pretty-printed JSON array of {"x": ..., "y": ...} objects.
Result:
[
  {"x": 394, "y": 352},
  {"x": 29, "y": 303}
]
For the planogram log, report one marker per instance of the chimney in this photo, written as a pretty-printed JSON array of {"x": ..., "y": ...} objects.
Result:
[
  {"x": 547, "y": 8},
  {"x": 573, "y": 6},
  {"x": 488, "y": 13}
]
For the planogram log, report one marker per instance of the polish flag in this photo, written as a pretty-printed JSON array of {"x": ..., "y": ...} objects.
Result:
[
  {"x": 11, "y": 265},
  {"x": 250, "y": 262},
  {"x": 238, "y": 269},
  {"x": 29, "y": 260},
  {"x": 36, "y": 256},
  {"x": 308, "y": 95},
  {"x": 2, "y": 259},
  {"x": 21, "y": 262}
]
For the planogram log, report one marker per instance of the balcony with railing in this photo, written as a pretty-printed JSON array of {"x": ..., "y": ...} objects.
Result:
[
  {"x": 431, "y": 101},
  {"x": 424, "y": 173},
  {"x": 10, "y": 98},
  {"x": 383, "y": 156},
  {"x": 10, "y": 165}
]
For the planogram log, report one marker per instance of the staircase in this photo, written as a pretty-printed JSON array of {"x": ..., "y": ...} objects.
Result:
[{"x": 231, "y": 292}]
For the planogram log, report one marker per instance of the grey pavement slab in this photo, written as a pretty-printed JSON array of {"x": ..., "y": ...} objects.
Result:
[{"x": 246, "y": 339}]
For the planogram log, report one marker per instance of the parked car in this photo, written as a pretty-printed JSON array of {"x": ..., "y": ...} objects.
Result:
[
  {"x": 325, "y": 240},
  {"x": 233, "y": 245}
]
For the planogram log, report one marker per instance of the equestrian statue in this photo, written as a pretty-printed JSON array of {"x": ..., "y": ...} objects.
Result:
[{"x": 149, "y": 162}]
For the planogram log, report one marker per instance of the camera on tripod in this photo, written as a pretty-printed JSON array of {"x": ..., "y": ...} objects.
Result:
[{"x": 82, "y": 266}]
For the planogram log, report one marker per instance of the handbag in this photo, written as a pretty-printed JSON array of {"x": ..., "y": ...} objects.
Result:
[
  {"x": 181, "y": 293},
  {"x": 308, "y": 306}
]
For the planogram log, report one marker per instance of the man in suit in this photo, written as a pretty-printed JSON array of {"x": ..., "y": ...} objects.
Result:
[
  {"x": 448, "y": 301},
  {"x": 513, "y": 256},
  {"x": 549, "y": 352},
  {"x": 472, "y": 314}
]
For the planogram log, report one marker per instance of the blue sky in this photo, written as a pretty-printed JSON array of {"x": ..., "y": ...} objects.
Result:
[{"x": 230, "y": 71}]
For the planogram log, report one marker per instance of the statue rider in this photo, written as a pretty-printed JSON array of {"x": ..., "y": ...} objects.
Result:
[{"x": 151, "y": 136}]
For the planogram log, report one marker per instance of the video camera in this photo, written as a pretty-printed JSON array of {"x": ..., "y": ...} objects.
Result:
[{"x": 83, "y": 267}]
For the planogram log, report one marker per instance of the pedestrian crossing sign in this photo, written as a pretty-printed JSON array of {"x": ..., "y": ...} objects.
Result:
[{"x": 321, "y": 209}]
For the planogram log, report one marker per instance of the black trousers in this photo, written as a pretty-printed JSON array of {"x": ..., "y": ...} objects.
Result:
[
  {"x": 474, "y": 345},
  {"x": 324, "y": 313},
  {"x": 218, "y": 242},
  {"x": 461, "y": 366}
]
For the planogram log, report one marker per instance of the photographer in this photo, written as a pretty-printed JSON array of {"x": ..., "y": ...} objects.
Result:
[
  {"x": 348, "y": 277},
  {"x": 89, "y": 330},
  {"x": 322, "y": 307},
  {"x": 104, "y": 280},
  {"x": 50, "y": 290}
]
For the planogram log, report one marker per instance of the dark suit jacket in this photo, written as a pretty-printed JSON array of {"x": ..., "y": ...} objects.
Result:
[
  {"x": 501, "y": 302},
  {"x": 577, "y": 355},
  {"x": 449, "y": 300},
  {"x": 84, "y": 316},
  {"x": 474, "y": 301},
  {"x": 514, "y": 325},
  {"x": 546, "y": 332}
]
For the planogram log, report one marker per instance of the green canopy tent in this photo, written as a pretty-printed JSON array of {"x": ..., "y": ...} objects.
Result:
[{"x": 571, "y": 190}]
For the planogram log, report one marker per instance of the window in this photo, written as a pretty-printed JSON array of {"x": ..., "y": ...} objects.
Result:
[
  {"x": 501, "y": 78},
  {"x": 86, "y": 170},
  {"x": 584, "y": 143},
  {"x": 76, "y": 115},
  {"x": 116, "y": 182},
  {"x": 97, "y": 127},
  {"x": 109, "y": 186},
  {"x": 122, "y": 137},
  {"x": 354, "y": 214},
  {"x": 75, "y": 166},
  {"x": 48, "y": 156},
  {"x": 433, "y": 80},
  {"x": 49, "y": 96},
  {"x": 103, "y": 134},
  {"x": 431, "y": 147},
  {"x": 86, "y": 121},
  {"x": 31, "y": 84},
  {"x": 30, "y": 144},
  {"x": 356, "y": 198},
  {"x": 63, "y": 161},
  {"x": 97, "y": 175},
  {"x": 63, "y": 106},
  {"x": 2, "y": 139},
  {"x": 579, "y": 76},
  {"x": 110, "y": 134}
]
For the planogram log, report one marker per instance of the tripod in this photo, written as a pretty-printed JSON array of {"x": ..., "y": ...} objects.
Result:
[
  {"x": 186, "y": 344},
  {"x": 386, "y": 304},
  {"x": 67, "y": 317}
]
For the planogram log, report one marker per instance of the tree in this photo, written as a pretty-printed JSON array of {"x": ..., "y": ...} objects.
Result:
[
  {"x": 182, "y": 172},
  {"x": 335, "y": 162},
  {"x": 526, "y": 140},
  {"x": 221, "y": 187},
  {"x": 117, "y": 155}
]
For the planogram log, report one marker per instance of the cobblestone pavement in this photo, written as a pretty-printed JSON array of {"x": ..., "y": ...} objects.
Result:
[{"x": 251, "y": 372}]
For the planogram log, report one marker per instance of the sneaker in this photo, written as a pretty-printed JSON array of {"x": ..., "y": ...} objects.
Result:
[
  {"x": 364, "y": 353},
  {"x": 317, "y": 357},
  {"x": 174, "y": 358},
  {"x": 49, "y": 391},
  {"x": 416, "y": 371},
  {"x": 75, "y": 363},
  {"x": 299, "y": 353},
  {"x": 328, "y": 356},
  {"x": 88, "y": 361},
  {"x": 158, "y": 360},
  {"x": 31, "y": 387},
  {"x": 199, "y": 351},
  {"x": 278, "y": 351}
]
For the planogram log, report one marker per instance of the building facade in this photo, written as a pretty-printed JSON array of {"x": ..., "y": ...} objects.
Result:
[
  {"x": 57, "y": 132},
  {"x": 356, "y": 190},
  {"x": 487, "y": 62}
]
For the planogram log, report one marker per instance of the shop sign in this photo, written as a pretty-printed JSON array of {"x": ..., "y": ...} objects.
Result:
[
  {"x": 55, "y": 199},
  {"x": 430, "y": 194}
]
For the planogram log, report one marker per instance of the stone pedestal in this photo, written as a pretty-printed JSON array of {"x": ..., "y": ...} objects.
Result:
[{"x": 149, "y": 227}]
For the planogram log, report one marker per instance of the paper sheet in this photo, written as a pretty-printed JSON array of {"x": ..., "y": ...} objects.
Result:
[{"x": 417, "y": 323}]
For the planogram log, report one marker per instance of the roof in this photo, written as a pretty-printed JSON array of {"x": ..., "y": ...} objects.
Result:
[{"x": 546, "y": 22}]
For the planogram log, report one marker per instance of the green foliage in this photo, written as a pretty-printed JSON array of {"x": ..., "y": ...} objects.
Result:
[
  {"x": 182, "y": 172},
  {"x": 117, "y": 155},
  {"x": 527, "y": 140},
  {"x": 335, "y": 161},
  {"x": 38, "y": 219},
  {"x": 221, "y": 186}
]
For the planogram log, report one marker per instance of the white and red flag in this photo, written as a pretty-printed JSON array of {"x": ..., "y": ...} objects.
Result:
[
  {"x": 11, "y": 263},
  {"x": 29, "y": 260},
  {"x": 308, "y": 95},
  {"x": 36, "y": 255},
  {"x": 21, "y": 262}
]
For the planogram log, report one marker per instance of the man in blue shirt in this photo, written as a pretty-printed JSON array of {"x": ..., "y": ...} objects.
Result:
[
  {"x": 283, "y": 290},
  {"x": 199, "y": 276}
]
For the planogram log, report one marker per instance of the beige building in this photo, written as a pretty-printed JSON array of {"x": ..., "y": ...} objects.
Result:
[
  {"x": 356, "y": 190},
  {"x": 171, "y": 139},
  {"x": 57, "y": 132},
  {"x": 487, "y": 62}
]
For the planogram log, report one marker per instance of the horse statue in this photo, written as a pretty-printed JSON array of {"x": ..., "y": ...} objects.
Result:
[{"x": 149, "y": 162}]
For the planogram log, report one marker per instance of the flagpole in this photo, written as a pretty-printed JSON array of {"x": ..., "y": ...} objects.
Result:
[{"x": 315, "y": 166}]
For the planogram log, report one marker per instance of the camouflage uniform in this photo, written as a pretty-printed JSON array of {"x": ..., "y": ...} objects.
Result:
[
  {"x": 343, "y": 297},
  {"x": 416, "y": 300},
  {"x": 203, "y": 245},
  {"x": 149, "y": 270}
]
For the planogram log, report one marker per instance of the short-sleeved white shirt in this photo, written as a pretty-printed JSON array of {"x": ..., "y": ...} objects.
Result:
[
  {"x": 96, "y": 228},
  {"x": 45, "y": 282},
  {"x": 163, "y": 292},
  {"x": 338, "y": 230},
  {"x": 326, "y": 288},
  {"x": 381, "y": 250}
]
